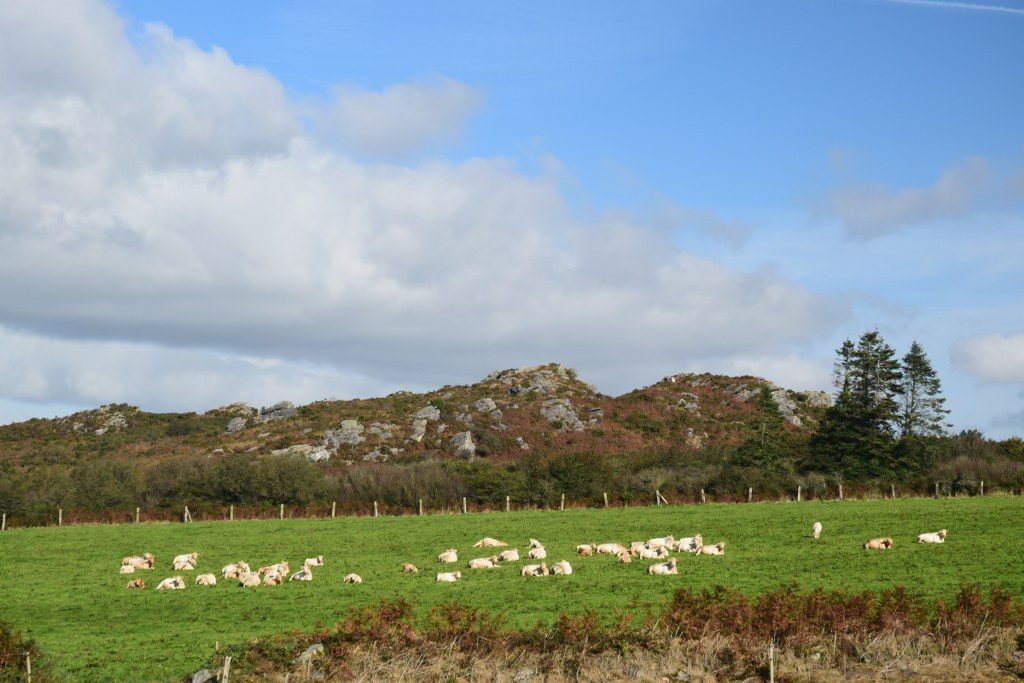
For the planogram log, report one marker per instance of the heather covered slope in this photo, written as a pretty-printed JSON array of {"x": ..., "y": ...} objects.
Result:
[{"x": 509, "y": 413}]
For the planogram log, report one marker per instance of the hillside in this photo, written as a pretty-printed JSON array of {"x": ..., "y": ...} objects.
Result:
[{"x": 501, "y": 417}]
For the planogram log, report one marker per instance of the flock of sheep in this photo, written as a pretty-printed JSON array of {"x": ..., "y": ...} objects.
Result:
[{"x": 654, "y": 548}]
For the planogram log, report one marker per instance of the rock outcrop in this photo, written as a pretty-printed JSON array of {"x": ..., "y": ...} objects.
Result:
[
  {"x": 349, "y": 433},
  {"x": 278, "y": 411},
  {"x": 464, "y": 445},
  {"x": 312, "y": 453}
]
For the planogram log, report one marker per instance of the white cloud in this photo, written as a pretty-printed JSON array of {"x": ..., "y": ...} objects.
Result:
[
  {"x": 994, "y": 357},
  {"x": 165, "y": 197},
  {"x": 399, "y": 120}
]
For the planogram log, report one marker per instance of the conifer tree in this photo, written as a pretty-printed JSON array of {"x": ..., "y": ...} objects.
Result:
[{"x": 922, "y": 409}]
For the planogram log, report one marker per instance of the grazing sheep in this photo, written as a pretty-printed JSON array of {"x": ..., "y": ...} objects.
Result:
[
  {"x": 127, "y": 569},
  {"x": 280, "y": 568},
  {"x": 611, "y": 549},
  {"x": 878, "y": 544},
  {"x": 484, "y": 562},
  {"x": 538, "y": 553},
  {"x": 489, "y": 542},
  {"x": 317, "y": 561},
  {"x": 534, "y": 570},
  {"x": 233, "y": 571},
  {"x": 304, "y": 574},
  {"x": 352, "y": 578},
  {"x": 509, "y": 555},
  {"x": 664, "y": 568},
  {"x": 817, "y": 530},
  {"x": 449, "y": 577},
  {"x": 625, "y": 558},
  {"x": 450, "y": 555},
  {"x": 249, "y": 580},
  {"x": 938, "y": 537},
  {"x": 136, "y": 583},
  {"x": 562, "y": 567},
  {"x": 586, "y": 550},
  {"x": 174, "y": 583},
  {"x": 273, "y": 578},
  {"x": 716, "y": 549},
  {"x": 409, "y": 569},
  {"x": 206, "y": 580},
  {"x": 534, "y": 543},
  {"x": 186, "y": 561},
  {"x": 689, "y": 545}
]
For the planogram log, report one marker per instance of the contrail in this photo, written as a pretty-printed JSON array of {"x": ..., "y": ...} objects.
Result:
[{"x": 959, "y": 5}]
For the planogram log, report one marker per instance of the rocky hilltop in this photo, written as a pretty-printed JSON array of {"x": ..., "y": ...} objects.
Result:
[{"x": 508, "y": 413}]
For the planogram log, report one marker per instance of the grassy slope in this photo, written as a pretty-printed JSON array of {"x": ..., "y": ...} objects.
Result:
[{"x": 62, "y": 586}]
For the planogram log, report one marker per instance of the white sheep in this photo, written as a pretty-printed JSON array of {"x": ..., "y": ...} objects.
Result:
[
  {"x": 625, "y": 558},
  {"x": 279, "y": 568},
  {"x": 450, "y": 555},
  {"x": 562, "y": 567},
  {"x": 409, "y": 568},
  {"x": 274, "y": 578},
  {"x": 636, "y": 546},
  {"x": 689, "y": 544},
  {"x": 317, "y": 561},
  {"x": 233, "y": 571},
  {"x": 304, "y": 574},
  {"x": 716, "y": 549},
  {"x": 249, "y": 580},
  {"x": 937, "y": 537},
  {"x": 650, "y": 553},
  {"x": 586, "y": 549},
  {"x": 484, "y": 562},
  {"x": 489, "y": 542},
  {"x": 127, "y": 569},
  {"x": 352, "y": 578},
  {"x": 509, "y": 555},
  {"x": 534, "y": 570},
  {"x": 174, "y": 583},
  {"x": 187, "y": 561},
  {"x": 538, "y": 553},
  {"x": 611, "y": 549},
  {"x": 666, "y": 541},
  {"x": 146, "y": 561},
  {"x": 449, "y": 577},
  {"x": 663, "y": 568},
  {"x": 534, "y": 543},
  {"x": 206, "y": 580},
  {"x": 817, "y": 530}
]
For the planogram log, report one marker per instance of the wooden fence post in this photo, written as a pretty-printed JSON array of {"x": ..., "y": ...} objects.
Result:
[
  {"x": 60, "y": 516},
  {"x": 137, "y": 513},
  {"x": 799, "y": 490},
  {"x": 3, "y": 524},
  {"x": 508, "y": 504},
  {"x": 28, "y": 666},
  {"x": 750, "y": 494},
  {"x": 421, "y": 507},
  {"x": 561, "y": 505},
  {"x": 936, "y": 489},
  {"x": 334, "y": 507},
  {"x": 465, "y": 508},
  {"x": 227, "y": 669},
  {"x": 657, "y": 497},
  {"x": 703, "y": 498},
  {"x": 606, "y": 499},
  {"x": 981, "y": 490},
  {"x": 187, "y": 517},
  {"x": 840, "y": 492},
  {"x": 771, "y": 662},
  {"x": 375, "y": 513},
  {"x": 231, "y": 512},
  {"x": 892, "y": 491},
  {"x": 282, "y": 510}
]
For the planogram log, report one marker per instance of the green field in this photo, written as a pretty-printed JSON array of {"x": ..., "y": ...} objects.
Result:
[{"x": 61, "y": 586}]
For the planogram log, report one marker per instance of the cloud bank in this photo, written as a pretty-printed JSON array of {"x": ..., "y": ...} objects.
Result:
[
  {"x": 165, "y": 215},
  {"x": 993, "y": 357}
]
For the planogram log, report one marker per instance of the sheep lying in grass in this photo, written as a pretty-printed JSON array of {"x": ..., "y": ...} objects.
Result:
[
  {"x": 509, "y": 555},
  {"x": 274, "y": 578},
  {"x": 408, "y": 568},
  {"x": 489, "y": 542},
  {"x": 233, "y": 571},
  {"x": 562, "y": 567},
  {"x": 534, "y": 570},
  {"x": 136, "y": 583},
  {"x": 586, "y": 550},
  {"x": 127, "y": 569},
  {"x": 352, "y": 578},
  {"x": 663, "y": 568},
  {"x": 651, "y": 553},
  {"x": 611, "y": 549},
  {"x": 174, "y": 583},
  {"x": 625, "y": 558},
  {"x": 484, "y": 562},
  {"x": 186, "y": 562},
  {"x": 449, "y": 577},
  {"x": 534, "y": 543},
  {"x": 664, "y": 542},
  {"x": 145, "y": 561},
  {"x": 937, "y": 537},
  {"x": 538, "y": 553},
  {"x": 817, "y": 530},
  {"x": 304, "y": 574},
  {"x": 280, "y": 568},
  {"x": 206, "y": 580},
  {"x": 689, "y": 544},
  {"x": 317, "y": 561},
  {"x": 249, "y": 580},
  {"x": 716, "y": 549},
  {"x": 450, "y": 555},
  {"x": 878, "y": 544}
]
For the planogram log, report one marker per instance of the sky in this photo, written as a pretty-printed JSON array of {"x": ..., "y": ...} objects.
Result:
[{"x": 203, "y": 203}]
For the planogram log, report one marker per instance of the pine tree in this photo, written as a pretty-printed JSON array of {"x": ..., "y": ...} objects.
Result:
[
  {"x": 922, "y": 409},
  {"x": 765, "y": 448}
]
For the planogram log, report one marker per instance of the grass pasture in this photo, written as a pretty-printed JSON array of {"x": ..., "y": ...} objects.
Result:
[{"x": 61, "y": 587}]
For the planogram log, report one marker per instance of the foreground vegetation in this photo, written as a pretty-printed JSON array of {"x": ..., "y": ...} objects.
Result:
[{"x": 61, "y": 587}]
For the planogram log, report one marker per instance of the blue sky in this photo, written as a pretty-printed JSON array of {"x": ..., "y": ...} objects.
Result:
[{"x": 793, "y": 173}]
